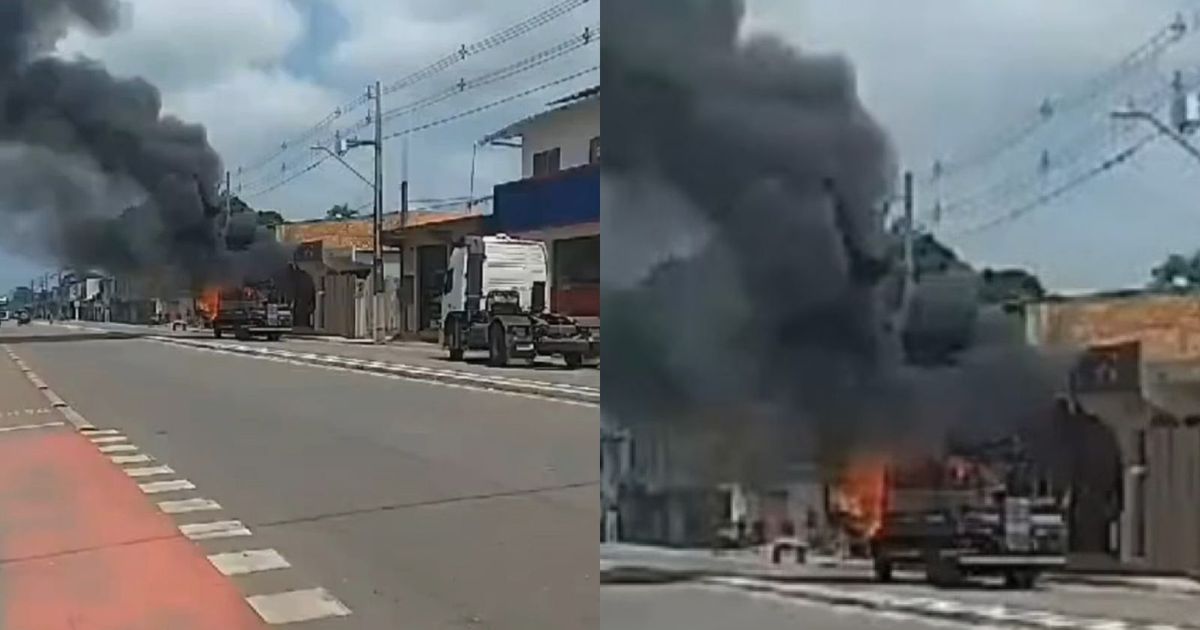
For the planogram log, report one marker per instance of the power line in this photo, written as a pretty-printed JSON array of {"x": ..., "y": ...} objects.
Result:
[
  {"x": 492, "y": 104},
  {"x": 591, "y": 35},
  {"x": 528, "y": 25},
  {"x": 1118, "y": 74},
  {"x": 289, "y": 179},
  {"x": 546, "y": 16},
  {"x": 1019, "y": 211},
  {"x": 1082, "y": 145},
  {"x": 441, "y": 121}
]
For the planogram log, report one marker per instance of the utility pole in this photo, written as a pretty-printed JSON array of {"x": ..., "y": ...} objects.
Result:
[
  {"x": 404, "y": 292},
  {"x": 910, "y": 267},
  {"x": 228, "y": 194},
  {"x": 377, "y": 268}
]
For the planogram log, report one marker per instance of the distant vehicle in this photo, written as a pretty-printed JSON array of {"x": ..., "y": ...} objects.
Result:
[
  {"x": 248, "y": 311},
  {"x": 980, "y": 511},
  {"x": 494, "y": 297},
  {"x": 23, "y": 317}
]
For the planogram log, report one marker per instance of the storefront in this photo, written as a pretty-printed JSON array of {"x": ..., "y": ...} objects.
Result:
[{"x": 563, "y": 211}]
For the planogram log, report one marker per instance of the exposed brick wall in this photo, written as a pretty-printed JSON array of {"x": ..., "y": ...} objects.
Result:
[{"x": 1167, "y": 326}]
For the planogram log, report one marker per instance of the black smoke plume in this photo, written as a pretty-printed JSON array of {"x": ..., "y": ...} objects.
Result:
[
  {"x": 93, "y": 174},
  {"x": 752, "y": 293}
]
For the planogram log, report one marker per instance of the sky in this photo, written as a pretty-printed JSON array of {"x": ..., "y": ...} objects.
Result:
[
  {"x": 258, "y": 74},
  {"x": 948, "y": 77},
  {"x": 944, "y": 77}
]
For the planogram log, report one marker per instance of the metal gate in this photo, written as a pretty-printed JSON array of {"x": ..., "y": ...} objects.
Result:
[{"x": 1172, "y": 482}]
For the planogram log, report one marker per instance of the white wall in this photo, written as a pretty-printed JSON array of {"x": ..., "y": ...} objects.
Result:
[{"x": 570, "y": 129}]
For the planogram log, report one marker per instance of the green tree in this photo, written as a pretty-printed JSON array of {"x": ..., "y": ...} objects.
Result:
[
  {"x": 270, "y": 218},
  {"x": 1006, "y": 286},
  {"x": 1176, "y": 273},
  {"x": 341, "y": 212}
]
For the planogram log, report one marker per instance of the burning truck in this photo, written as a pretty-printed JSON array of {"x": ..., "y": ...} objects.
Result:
[
  {"x": 254, "y": 309},
  {"x": 979, "y": 509}
]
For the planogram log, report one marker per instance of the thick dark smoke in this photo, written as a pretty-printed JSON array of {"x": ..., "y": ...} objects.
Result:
[
  {"x": 92, "y": 173},
  {"x": 769, "y": 332}
]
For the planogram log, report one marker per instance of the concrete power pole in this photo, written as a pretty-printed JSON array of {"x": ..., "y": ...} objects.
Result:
[
  {"x": 910, "y": 264},
  {"x": 377, "y": 231}
]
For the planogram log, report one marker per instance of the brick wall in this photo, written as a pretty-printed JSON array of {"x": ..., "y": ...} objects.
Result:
[{"x": 1167, "y": 326}]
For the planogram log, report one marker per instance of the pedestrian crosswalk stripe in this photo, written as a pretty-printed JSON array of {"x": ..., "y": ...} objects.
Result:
[
  {"x": 174, "y": 485},
  {"x": 217, "y": 529},
  {"x": 188, "y": 505},
  {"x": 296, "y": 606},
  {"x": 118, "y": 448},
  {"x": 140, "y": 458},
  {"x": 250, "y": 561},
  {"x": 149, "y": 471},
  {"x": 109, "y": 439}
]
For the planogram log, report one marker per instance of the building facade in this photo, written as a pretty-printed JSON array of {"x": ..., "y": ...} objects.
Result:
[
  {"x": 1136, "y": 424},
  {"x": 557, "y": 200}
]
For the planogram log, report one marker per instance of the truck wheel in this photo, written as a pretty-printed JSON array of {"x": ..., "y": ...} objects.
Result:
[
  {"x": 241, "y": 335},
  {"x": 274, "y": 336},
  {"x": 1020, "y": 579},
  {"x": 943, "y": 573},
  {"x": 454, "y": 340},
  {"x": 217, "y": 332},
  {"x": 497, "y": 346},
  {"x": 573, "y": 360},
  {"x": 883, "y": 568}
]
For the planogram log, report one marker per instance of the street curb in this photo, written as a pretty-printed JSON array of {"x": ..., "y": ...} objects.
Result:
[
  {"x": 937, "y": 609},
  {"x": 561, "y": 391},
  {"x": 1180, "y": 586}
]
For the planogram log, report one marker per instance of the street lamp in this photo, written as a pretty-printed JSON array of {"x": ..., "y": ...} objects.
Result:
[
  {"x": 344, "y": 145},
  {"x": 1162, "y": 127}
]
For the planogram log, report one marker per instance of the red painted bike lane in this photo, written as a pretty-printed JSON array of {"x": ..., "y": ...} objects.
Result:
[{"x": 82, "y": 548}]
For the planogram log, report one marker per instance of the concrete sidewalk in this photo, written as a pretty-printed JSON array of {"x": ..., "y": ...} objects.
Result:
[{"x": 635, "y": 562}]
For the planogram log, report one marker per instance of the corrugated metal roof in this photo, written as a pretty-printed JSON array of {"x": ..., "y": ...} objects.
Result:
[{"x": 566, "y": 102}]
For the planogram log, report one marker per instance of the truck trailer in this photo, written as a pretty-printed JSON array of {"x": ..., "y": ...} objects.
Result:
[{"x": 494, "y": 298}]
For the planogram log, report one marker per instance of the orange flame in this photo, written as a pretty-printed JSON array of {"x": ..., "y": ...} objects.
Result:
[
  {"x": 861, "y": 495},
  {"x": 210, "y": 302}
]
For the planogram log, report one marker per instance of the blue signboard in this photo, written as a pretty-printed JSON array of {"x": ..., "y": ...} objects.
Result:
[{"x": 570, "y": 197}]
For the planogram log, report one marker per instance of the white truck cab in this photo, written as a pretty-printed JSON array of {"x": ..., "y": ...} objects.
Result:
[
  {"x": 494, "y": 298},
  {"x": 502, "y": 263}
]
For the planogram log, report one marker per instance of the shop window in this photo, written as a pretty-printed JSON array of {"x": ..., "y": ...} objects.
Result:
[{"x": 547, "y": 162}]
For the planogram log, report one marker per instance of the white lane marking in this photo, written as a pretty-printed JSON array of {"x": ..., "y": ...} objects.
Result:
[
  {"x": 75, "y": 418},
  {"x": 118, "y": 448},
  {"x": 174, "y": 485},
  {"x": 149, "y": 471},
  {"x": 400, "y": 377},
  {"x": 94, "y": 431},
  {"x": 295, "y": 606},
  {"x": 250, "y": 561},
  {"x": 140, "y": 458},
  {"x": 27, "y": 427},
  {"x": 216, "y": 529},
  {"x": 188, "y": 505},
  {"x": 109, "y": 439}
]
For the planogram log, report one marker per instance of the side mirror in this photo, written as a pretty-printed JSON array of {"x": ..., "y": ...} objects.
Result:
[{"x": 538, "y": 299}]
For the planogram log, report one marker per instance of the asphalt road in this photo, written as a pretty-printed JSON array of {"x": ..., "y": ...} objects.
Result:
[
  {"x": 547, "y": 369},
  {"x": 417, "y": 505}
]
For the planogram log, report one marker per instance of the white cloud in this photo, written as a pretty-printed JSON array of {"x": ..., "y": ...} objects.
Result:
[{"x": 179, "y": 44}]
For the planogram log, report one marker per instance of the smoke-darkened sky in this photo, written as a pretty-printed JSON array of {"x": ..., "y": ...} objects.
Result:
[
  {"x": 945, "y": 75},
  {"x": 256, "y": 73}
]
